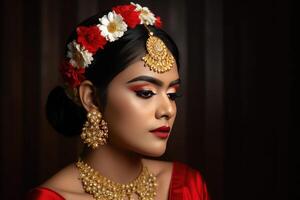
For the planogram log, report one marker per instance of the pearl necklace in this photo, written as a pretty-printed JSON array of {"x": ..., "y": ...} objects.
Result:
[{"x": 101, "y": 188}]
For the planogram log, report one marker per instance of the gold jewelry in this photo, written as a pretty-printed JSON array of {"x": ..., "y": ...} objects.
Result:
[
  {"x": 144, "y": 186},
  {"x": 94, "y": 131},
  {"x": 158, "y": 59}
]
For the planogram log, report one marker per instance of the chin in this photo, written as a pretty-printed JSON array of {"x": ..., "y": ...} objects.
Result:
[
  {"x": 154, "y": 151},
  {"x": 156, "y": 154}
]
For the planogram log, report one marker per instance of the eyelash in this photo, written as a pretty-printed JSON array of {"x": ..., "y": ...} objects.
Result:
[
  {"x": 173, "y": 96},
  {"x": 146, "y": 94}
]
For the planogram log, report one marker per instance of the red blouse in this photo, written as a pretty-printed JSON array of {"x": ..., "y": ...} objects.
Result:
[{"x": 186, "y": 184}]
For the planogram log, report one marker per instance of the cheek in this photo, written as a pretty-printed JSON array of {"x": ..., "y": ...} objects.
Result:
[
  {"x": 174, "y": 116},
  {"x": 126, "y": 113},
  {"x": 175, "y": 113}
]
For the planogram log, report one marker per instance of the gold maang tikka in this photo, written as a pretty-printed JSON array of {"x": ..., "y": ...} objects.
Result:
[{"x": 158, "y": 58}]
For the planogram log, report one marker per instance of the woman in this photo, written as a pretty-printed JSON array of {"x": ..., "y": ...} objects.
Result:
[{"x": 121, "y": 81}]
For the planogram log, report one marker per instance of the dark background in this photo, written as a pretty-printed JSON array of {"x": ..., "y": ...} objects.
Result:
[{"x": 233, "y": 120}]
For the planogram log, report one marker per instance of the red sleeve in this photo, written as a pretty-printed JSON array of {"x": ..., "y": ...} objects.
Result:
[
  {"x": 187, "y": 184},
  {"x": 41, "y": 193}
]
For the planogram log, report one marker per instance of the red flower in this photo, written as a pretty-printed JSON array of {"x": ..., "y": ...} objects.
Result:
[
  {"x": 71, "y": 75},
  {"x": 158, "y": 23},
  {"x": 130, "y": 16},
  {"x": 90, "y": 38}
]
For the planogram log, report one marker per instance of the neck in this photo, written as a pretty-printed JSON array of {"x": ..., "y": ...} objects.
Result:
[{"x": 116, "y": 164}]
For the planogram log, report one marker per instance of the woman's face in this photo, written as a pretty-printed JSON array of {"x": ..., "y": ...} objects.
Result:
[{"x": 141, "y": 109}]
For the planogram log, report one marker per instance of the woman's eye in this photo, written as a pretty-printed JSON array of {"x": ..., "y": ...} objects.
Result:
[
  {"x": 173, "y": 96},
  {"x": 145, "y": 93}
]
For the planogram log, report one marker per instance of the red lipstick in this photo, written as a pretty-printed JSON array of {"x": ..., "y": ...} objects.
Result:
[{"x": 161, "y": 132}]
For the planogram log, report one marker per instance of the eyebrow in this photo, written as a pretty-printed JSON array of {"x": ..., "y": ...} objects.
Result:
[{"x": 154, "y": 81}]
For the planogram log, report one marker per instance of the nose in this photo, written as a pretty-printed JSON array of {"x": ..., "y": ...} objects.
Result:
[{"x": 166, "y": 108}]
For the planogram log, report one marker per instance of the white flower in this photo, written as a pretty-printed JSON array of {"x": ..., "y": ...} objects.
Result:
[
  {"x": 146, "y": 16},
  {"x": 112, "y": 26},
  {"x": 79, "y": 56}
]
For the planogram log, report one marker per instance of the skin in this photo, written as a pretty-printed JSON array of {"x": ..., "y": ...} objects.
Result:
[{"x": 138, "y": 100}]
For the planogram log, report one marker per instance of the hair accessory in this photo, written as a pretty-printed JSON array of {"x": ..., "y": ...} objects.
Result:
[
  {"x": 91, "y": 39},
  {"x": 158, "y": 58},
  {"x": 94, "y": 131}
]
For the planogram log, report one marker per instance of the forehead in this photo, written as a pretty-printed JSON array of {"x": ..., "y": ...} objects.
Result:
[{"x": 138, "y": 69}]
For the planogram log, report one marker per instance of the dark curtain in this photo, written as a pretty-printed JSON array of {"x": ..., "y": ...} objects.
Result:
[{"x": 233, "y": 120}]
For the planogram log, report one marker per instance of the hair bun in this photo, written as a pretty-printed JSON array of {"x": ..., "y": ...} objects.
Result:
[{"x": 63, "y": 114}]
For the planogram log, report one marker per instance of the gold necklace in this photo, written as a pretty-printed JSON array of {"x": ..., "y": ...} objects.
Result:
[{"x": 101, "y": 188}]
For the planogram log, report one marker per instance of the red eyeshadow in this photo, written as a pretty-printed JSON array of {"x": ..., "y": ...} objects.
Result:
[
  {"x": 176, "y": 87},
  {"x": 137, "y": 87}
]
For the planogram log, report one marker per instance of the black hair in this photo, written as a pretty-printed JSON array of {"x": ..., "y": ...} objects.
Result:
[{"x": 68, "y": 117}]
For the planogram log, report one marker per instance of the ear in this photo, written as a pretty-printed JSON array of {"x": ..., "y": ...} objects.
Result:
[{"x": 87, "y": 95}]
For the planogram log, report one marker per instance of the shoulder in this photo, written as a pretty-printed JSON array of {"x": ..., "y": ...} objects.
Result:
[
  {"x": 187, "y": 174},
  {"x": 63, "y": 185},
  {"x": 175, "y": 169},
  {"x": 187, "y": 181},
  {"x": 184, "y": 169},
  {"x": 63, "y": 180},
  {"x": 42, "y": 193}
]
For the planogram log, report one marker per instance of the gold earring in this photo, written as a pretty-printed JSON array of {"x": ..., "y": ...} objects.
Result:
[{"x": 94, "y": 131}]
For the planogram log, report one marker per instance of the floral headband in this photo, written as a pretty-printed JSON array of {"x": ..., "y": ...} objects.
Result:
[{"x": 111, "y": 27}]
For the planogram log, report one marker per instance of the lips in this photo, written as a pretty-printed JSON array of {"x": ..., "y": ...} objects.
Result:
[{"x": 161, "y": 132}]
